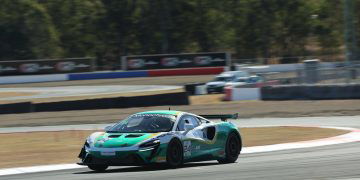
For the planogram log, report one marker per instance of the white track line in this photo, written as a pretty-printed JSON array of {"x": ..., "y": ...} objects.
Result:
[{"x": 353, "y": 136}]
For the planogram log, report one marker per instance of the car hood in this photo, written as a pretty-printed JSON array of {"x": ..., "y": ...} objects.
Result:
[
  {"x": 216, "y": 83},
  {"x": 112, "y": 140},
  {"x": 236, "y": 83}
]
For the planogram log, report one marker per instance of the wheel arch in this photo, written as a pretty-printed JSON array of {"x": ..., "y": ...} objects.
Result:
[{"x": 239, "y": 137}]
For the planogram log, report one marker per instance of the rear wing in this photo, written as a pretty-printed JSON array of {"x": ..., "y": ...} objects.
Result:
[{"x": 222, "y": 117}]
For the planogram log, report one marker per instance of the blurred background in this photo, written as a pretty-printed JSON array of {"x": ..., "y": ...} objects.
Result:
[
  {"x": 253, "y": 31},
  {"x": 88, "y": 63}
]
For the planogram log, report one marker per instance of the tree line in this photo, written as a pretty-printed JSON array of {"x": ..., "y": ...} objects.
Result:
[{"x": 108, "y": 29}]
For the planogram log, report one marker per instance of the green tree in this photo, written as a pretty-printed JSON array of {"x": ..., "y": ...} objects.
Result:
[
  {"x": 327, "y": 19},
  {"x": 27, "y": 31},
  {"x": 78, "y": 24}
]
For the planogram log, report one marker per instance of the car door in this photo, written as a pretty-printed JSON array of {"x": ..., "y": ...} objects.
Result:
[
  {"x": 199, "y": 138},
  {"x": 209, "y": 143},
  {"x": 189, "y": 126}
]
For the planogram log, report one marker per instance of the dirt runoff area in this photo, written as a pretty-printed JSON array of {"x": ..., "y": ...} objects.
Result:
[
  {"x": 16, "y": 94},
  {"x": 246, "y": 109},
  {"x": 43, "y": 148}
]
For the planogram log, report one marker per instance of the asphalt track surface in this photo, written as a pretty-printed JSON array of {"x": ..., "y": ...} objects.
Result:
[{"x": 340, "y": 161}]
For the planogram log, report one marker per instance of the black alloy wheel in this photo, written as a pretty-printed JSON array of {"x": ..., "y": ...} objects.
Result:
[
  {"x": 174, "y": 155},
  {"x": 98, "y": 167},
  {"x": 232, "y": 148}
]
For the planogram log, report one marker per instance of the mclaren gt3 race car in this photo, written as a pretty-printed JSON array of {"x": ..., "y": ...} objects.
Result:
[{"x": 168, "y": 137}]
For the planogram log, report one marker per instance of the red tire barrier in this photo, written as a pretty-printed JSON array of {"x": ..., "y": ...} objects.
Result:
[{"x": 228, "y": 93}]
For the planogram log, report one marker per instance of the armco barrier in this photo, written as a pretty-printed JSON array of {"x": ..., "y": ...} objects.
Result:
[
  {"x": 33, "y": 78},
  {"x": 280, "y": 67},
  {"x": 23, "y": 107},
  {"x": 186, "y": 71},
  {"x": 243, "y": 93},
  {"x": 180, "y": 98},
  {"x": 311, "y": 92},
  {"x": 107, "y": 75}
]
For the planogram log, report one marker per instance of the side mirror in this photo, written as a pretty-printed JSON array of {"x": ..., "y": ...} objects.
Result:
[{"x": 107, "y": 128}]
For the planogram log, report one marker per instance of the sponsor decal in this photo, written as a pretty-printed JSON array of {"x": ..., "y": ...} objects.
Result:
[
  {"x": 65, "y": 66},
  {"x": 136, "y": 63},
  {"x": 29, "y": 68},
  {"x": 7, "y": 68},
  {"x": 202, "y": 60},
  {"x": 82, "y": 65},
  {"x": 185, "y": 61},
  {"x": 218, "y": 60},
  {"x": 170, "y": 61},
  {"x": 161, "y": 159},
  {"x": 151, "y": 63},
  {"x": 153, "y": 115},
  {"x": 46, "y": 66},
  {"x": 187, "y": 148},
  {"x": 166, "y": 134}
]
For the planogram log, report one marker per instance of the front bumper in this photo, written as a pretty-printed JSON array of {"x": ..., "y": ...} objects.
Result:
[
  {"x": 124, "y": 158},
  {"x": 130, "y": 160}
]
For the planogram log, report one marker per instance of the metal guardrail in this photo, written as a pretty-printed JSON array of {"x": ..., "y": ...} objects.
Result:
[{"x": 336, "y": 75}]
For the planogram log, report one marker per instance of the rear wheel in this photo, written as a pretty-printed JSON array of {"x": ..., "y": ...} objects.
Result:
[
  {"x": 98, "y": 168},
  {"x": 232, "y": 148},
  {"x": 174, "y": 155}
]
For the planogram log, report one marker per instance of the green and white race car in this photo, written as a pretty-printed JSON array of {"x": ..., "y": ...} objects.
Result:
[{"x": 170, "y": 137}]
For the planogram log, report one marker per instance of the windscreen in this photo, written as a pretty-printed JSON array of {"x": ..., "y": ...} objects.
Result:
[
  {"x": 226, "y": 79},
  {"x": 145, "y": 123}
]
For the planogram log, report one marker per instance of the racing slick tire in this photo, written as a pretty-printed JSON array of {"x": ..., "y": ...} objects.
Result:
[
  {"x": 174, "y": 154},
  {"x": 232, "y": 148},
  {"x": 98, "y": 168}
]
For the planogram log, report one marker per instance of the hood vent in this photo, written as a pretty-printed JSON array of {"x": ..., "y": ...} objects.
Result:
[
  {"x": 133, "y": 135},
  {"x": 114, "y": 136}
]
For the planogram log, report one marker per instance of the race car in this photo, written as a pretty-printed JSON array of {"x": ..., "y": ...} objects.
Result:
[{"x": 163, "y": 137}]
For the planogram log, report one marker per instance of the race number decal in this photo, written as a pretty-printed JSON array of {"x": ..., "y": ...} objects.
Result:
[{"x": 187, "y": 148}]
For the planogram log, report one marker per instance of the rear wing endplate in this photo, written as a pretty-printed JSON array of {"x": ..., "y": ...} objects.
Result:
[{"x": 222, "y": 117}]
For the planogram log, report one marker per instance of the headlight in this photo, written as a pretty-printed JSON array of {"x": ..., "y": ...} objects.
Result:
[
  {"x": 88, "y": 142},
  {"x": 150, "y": 144}
]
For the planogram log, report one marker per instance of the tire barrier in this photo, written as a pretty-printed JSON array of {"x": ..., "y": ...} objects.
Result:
[
  {"x": 179, "y": 98},
  {"x": 311, "y": 92},
  {"x": 23, "y": 107},
  {"x": 243, "y": 93},
  {"x": 191, "y": 87}
]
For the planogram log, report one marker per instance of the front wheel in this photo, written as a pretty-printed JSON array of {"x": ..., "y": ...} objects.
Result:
[
  {"x": 98, "y": 168},
  {"x": 232, "y": 148},
  {"x": 174, "y": 155}
]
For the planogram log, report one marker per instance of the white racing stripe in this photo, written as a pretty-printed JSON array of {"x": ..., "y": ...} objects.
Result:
[{"x": 353, "y": 136}]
